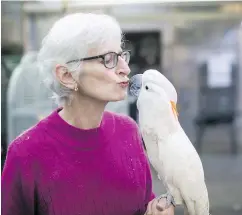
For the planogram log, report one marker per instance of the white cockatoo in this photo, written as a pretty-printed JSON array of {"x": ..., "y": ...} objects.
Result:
[{"x": 168, "y": 148}]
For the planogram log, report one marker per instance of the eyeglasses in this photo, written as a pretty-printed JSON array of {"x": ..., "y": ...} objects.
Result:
[{"x": 110, "y": 59}]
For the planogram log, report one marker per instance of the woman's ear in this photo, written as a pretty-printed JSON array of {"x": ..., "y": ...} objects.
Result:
[{"x": 65, "y": 77}]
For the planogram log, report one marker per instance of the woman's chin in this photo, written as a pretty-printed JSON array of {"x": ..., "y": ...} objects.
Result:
[{"x": 119, "y": 97}]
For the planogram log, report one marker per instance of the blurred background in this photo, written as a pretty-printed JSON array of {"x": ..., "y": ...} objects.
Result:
[{"x": 196, "y": 44}]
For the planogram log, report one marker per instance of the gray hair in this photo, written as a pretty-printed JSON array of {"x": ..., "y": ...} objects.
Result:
[{"x": 70, "y": 38}]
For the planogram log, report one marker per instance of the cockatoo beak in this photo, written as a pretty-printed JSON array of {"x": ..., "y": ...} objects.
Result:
[
  {"x": 174, "y": 109},
  {"x": 135, "y": 85}
]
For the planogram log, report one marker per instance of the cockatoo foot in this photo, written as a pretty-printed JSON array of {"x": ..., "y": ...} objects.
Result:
[{"x": 169, "y": 199}]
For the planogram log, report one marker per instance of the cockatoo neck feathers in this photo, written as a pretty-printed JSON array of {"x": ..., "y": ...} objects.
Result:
[{"x": 174, "y": 109}]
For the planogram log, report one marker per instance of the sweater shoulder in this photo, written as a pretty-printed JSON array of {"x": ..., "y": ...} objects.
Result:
[
  {"x": 29, "y": 141},
  {"x": 126, "y": 127}
]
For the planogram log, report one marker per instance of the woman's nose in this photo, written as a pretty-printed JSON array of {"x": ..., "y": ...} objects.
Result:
[{"x": 122, "y": 66}]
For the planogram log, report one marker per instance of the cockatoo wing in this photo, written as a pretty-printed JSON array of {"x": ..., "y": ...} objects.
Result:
[{"x": 182, "y": 172}]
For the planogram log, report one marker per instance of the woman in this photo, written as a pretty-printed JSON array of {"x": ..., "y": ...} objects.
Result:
[{"x": 81, "y": 159}]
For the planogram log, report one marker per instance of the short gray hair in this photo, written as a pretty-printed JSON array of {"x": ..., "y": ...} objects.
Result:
[{"x": 70, "y": 38}]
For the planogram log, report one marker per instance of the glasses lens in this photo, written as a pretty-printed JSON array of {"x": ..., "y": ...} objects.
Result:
[
  {"x": 126, "y": 56},
  {"x": 110, "y": 60}
]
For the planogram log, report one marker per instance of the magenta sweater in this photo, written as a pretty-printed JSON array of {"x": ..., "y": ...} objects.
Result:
[{"x": 57, "y": 169}]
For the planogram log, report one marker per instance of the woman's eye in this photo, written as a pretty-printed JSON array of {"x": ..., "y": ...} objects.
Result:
[
  {"x": 108, "y": 58},
  {"x": 146, "y": 87}
]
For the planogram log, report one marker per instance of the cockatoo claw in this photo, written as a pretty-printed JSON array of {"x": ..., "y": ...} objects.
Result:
[{"x": 169, "y": 199}]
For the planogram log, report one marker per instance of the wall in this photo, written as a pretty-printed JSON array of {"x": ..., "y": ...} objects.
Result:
[{"x": 11, "y": 22}]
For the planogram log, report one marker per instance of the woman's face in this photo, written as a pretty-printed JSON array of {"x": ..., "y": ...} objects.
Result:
[{"x": 101, "y": 83}]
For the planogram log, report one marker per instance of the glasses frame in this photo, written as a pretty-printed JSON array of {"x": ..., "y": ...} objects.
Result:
[{"x": 102, "y": 57}]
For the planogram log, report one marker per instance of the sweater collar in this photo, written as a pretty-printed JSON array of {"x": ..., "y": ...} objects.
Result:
[{"x": 84, "y": 139}]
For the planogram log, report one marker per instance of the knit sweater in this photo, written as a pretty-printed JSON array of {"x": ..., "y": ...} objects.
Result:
[{"x": 55, "y": 168}]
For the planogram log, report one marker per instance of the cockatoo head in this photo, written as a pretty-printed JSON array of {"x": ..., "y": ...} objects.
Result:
[{"x": 154, "y": 91}]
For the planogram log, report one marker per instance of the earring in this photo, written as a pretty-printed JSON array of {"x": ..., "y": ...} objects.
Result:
[{"x": 76, "y": 88}]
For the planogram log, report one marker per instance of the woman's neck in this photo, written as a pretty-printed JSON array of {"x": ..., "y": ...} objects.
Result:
[{"x": 83, "y": 113}]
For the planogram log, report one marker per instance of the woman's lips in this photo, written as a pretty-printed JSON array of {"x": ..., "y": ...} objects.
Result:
[{"x": 124, "y": 84}]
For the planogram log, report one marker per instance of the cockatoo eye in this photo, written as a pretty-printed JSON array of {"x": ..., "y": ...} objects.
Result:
[{"x": 146, "y": 87}]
